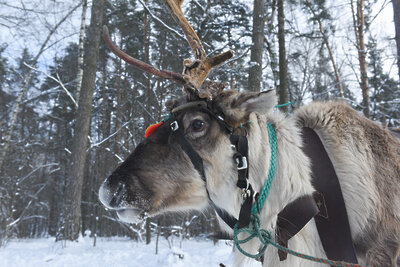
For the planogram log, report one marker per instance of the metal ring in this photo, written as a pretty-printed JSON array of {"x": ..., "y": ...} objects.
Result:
[{"x": 174, "y": 126}]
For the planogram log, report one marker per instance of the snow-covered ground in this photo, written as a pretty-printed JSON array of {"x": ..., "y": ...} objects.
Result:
[{"x": 114, "y": 252}]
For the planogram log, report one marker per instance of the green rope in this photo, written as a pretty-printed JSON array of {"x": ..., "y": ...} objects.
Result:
[
  {"x": 254, "y": 231},
  {"x": 167, "y": 118},
  {"x": 271, "y": 173},
  {"x": 263, "y": 235},
  {"x": 265, "y": 238},
  {"x": 284, "y": 105}
]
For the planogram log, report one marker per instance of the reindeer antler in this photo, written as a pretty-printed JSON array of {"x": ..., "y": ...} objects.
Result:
[
  {"x": 198, "y": 69},
  {"x": 195, "y": 71},
  {"x": 176, "y": 77}
]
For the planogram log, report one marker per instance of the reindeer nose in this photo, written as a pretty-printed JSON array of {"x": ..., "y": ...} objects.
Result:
[
  {"x": 119, "y": 195},
  {"x": 113, "y": 195}
]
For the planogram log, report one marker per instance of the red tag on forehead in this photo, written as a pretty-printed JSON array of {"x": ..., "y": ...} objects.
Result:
[{"x": 150, "y": 130}]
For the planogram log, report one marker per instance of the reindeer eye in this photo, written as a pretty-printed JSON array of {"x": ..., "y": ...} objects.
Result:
[{"x": 198, "y": 125}]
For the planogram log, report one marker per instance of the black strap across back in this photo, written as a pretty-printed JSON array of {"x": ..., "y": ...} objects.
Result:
[{"x": 332, "y": 221}]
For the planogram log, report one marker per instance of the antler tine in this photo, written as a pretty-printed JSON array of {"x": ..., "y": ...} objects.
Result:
[
  {"x": 191, "y": 36},
  {"x": 176, "y": 77},
  {"x": 195, "y": 71}
]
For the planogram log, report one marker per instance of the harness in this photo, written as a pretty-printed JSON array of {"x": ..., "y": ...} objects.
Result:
[
  {"x": 326, "y": 207},
  {"x": 240, "y": 145}
]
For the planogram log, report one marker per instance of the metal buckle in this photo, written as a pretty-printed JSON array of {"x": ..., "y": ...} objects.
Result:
[
  {"x": 174, "y": 126},
  {"x": 245, "y": 193},
  {"x": 241, "y": 164}
]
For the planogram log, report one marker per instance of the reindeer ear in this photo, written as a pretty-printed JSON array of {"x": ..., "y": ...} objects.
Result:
[{"x": 260, "y": 102}]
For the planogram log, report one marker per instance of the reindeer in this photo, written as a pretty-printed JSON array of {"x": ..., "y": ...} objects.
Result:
[{"x": 187, "y": 162}]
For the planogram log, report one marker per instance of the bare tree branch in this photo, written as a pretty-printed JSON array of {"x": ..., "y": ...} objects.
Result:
[
  {"x": 25, "y": 86},
  {"x": 57, "y": 80}
]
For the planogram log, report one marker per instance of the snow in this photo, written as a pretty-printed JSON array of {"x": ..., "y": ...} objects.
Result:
[{"x": 115, "y": 252}]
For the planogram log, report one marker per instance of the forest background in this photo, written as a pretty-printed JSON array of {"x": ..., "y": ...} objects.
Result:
[{"x": 70, "y": 111}]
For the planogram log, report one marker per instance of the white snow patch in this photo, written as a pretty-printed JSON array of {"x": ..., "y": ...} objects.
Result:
[{"x": 115, "y": 252}]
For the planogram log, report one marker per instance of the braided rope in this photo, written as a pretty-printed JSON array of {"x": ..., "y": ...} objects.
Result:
[
  {"x": 284, "y": 105},
  {"x": 271, "y": 173},
  {"x": 266, "y": 238},
  {"x": 263, "y": 235}
]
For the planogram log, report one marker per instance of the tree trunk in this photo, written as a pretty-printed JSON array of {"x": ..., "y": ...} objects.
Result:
[
  {"x": 52, "y": 190},
  {"x": 255, "y": 70},
  {"x": 396, "y": 17},
  {"x": 146, "y": 44},
  {"x": 80, "y": 52},
  {"x": 82, "y": 124},
  {"x": 270, "y": 45},
  {"x": 148, "y": 231},
  {"x": 359, "y": 24},
  {"x": 283, "y": 93},
  {"x": 118, "y": 116}
]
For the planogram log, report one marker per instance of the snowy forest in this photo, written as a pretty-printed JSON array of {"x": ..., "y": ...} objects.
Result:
[{"x": 71, "y": 111}]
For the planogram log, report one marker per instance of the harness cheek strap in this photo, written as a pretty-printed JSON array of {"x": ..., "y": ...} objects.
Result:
[
  {"x": 245, "y": 210},
  {"x": 223, "y": 214},
  {"x": 197, "y": 162},
  {"x": 241, "y": 158},
  {"x": 292, "y": 219}
]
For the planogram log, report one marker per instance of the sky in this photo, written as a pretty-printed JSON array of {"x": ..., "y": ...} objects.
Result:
[{"x": 34, "y": 30}]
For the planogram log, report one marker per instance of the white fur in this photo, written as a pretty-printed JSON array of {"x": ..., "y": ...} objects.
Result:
[{"x": 292, "y": 180}]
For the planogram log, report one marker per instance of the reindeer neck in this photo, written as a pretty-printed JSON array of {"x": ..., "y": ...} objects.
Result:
[{"x": 292, "y": 164}]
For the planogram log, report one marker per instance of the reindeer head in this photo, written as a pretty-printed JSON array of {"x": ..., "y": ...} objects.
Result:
[{"x": 182, "y": 164}]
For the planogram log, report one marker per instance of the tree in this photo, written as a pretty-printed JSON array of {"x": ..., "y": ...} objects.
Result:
[
  {"x": 82, "y": 125},
  {"x": 61, "y": 115},
  {"x": 396, "y": 18},
  {"x": 4, "y": 97},
  {"x": 255, "y": 70},
  {"x": 319, "y": 14},
  {"x": 81, "y": 43},
  {"x": 359, "y": 24},
  {"x": 283, "y": 91},
  {"x": 385, "y": 90},
  {"x": 25, "y": 85}
]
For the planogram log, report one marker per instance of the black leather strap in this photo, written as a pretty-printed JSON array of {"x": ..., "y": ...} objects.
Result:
[
  {"x": 292, "y": 219},
  {"x": 332, "y": 223},
  {"x": 241, "y": 156},
  {"x": 196, "y": 160},
  {"x": 224, "y": 215}
]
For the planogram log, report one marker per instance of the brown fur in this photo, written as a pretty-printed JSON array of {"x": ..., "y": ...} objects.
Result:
[
  {"x": 366, "y": 157},
  {"x": 380, "y": 240}
]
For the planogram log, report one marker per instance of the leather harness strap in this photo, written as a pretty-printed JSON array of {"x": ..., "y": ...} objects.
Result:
[
  {"x": 332, "y": 222},
  {"x": 292, "y": 219}
]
